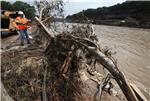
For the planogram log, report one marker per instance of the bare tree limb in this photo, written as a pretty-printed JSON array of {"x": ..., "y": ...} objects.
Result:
[
  {"x": 44, "y": 85},
  {"x": 41, "y": 12},
  {"x": 111, "y": 67},
  {"x": 44, "y": 27},
  {"x": 46, "y": 19}
]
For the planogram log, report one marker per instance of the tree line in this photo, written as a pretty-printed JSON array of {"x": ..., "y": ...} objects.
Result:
[
  {"x": 28, "y": 10},
  {"x": 135, "y": 9}
]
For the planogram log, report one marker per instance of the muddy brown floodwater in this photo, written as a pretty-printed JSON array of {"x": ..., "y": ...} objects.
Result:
[{"x": 133, "y": 52}]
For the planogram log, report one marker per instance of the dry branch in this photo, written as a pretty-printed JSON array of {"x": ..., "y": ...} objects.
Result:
[
  {"x": 44, "y": 85},
  {"x": 113, "y": 69},
  {"x": 44, "y": 27}
]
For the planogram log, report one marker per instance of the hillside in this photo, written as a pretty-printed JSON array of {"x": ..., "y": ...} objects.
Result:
[{"x": 130, "y": 13}]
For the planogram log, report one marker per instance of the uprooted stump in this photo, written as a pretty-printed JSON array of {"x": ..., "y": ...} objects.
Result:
[{"x": 57, "y": 70}]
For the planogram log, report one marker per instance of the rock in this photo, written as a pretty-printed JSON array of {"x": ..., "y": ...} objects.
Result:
[
  {"x": 4, "y": 94},
  {"x": 113, "y": 92}
]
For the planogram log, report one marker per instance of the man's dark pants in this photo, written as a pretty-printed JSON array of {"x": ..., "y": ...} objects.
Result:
[{"x": 24, "y": 36}]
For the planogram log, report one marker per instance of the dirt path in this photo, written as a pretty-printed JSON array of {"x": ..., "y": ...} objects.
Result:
[
  {"x": 133, "y": 52},
  {"x": 8, "y": 40}
]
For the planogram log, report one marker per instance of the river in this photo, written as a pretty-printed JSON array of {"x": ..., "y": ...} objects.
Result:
[{"x": 133, "y": 52}]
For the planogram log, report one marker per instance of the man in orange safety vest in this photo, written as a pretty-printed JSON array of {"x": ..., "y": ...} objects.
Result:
[{"x": 22, "y": 23}]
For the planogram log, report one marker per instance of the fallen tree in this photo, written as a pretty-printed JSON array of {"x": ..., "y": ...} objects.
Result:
[
  {"x": 62, "y": 61},
  {"x": 108, "y": 63}
]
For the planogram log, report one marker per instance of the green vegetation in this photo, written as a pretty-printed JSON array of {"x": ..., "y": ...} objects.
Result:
[
  {"x": 138, "y": 11},
  {"x": 125, "y": 9},
  {"x": 19, "y": 6}
]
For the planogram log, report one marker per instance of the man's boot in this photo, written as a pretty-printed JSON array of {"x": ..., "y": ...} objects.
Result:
[
  {"x": 28, "y": 41},
  {"x": 21, "y": 44}
]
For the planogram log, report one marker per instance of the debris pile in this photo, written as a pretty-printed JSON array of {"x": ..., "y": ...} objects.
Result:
[{"x": 62, "y": 70}]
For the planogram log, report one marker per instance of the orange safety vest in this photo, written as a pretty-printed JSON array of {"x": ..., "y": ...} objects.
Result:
[{"x": 21, "y": 23}]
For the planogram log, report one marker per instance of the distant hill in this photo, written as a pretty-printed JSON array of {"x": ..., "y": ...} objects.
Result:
[{"x": 129, "y": 13}]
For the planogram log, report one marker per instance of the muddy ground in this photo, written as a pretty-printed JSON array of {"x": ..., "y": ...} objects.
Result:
[{"x": 132, "y": 47}]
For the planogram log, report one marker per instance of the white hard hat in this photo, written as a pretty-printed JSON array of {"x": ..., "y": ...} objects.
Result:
[{"x": 20, "y": 12}]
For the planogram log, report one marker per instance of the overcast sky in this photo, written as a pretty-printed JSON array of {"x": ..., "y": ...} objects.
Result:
[{"x": 74, "y": 6}]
